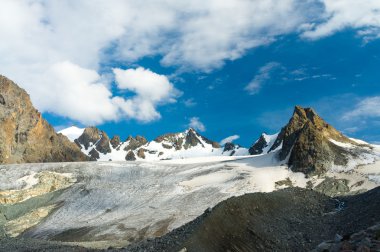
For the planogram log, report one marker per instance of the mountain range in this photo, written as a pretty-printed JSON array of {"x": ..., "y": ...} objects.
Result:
[
  {"x": 180, "y": 191},
  {"x": 306, "y": 143}
]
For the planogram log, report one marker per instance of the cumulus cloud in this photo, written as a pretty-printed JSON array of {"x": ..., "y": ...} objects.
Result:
[
  {"x": 261, "y": 77},
  {"x": 190, "y": 102},
  {"x": 368, "y": 107},
  {"x": 77, "y": 93},
  {"x": 196, "y": 124},
  {"x": 45, "y": 42},
  {"x": 342, "y": 14},
  {"x": 150, "y": 90},
  {"x": 229, "y": 139}
]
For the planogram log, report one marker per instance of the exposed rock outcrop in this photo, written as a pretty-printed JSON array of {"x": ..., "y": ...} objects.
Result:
[
  {"x": 130, "y": 156},
  {"x": 186, "y": 140},
  {"x": 173, "y": 138},
  {"x": 94, "y": 155},
  {"x": 134, "y": 143},
  {"x": 25, "y": 136},
  {"x": 115, "y": 141},
  {"x": 94, "y": 137},
  {"x": 141, "y": 153},
  {"x": 306, "y": 141},
  {"x": 258, "y": 147},
  {"x": 90, "y": 136},
  {"x": 229, "y": 147},
  {"x": 103, "y": 146}
]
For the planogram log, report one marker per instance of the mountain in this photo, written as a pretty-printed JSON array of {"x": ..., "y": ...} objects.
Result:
[
  {"x": 25, "y": 137},
  {"x": 310, "y": 145},
  {"x": 98, "y": 146}
]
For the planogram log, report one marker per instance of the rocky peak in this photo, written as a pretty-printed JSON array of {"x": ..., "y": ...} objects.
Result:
[
  {"x": 115, "y": 141},
  {"x": 24, "y": 135},
  {"x": 134, "y": 143},
  {"x": 90, "y": 136},
  {"x": 263, "y": 144},
  {"x": 94, "y": 137},
  {"x": 103, "y": 145},
  {"x": 229, "y": 147},
  {"x": 192, "y": 139},
  {"x": 306, "y": 142},
  {"x": 187, "y": 139}
]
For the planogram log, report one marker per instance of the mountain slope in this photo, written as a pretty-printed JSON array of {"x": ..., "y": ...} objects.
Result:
[
  {"x": 293, "y": 219},
  {"x": 310, "y": 145},
  {"x": 24, "y": 135}
]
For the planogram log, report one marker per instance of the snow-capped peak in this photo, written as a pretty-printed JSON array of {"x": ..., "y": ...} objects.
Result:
[
  {"x": 72, "y": 132},
  {"x": 264, "y": 144}
]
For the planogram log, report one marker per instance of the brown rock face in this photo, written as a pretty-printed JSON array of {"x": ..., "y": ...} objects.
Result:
[
  {"x": 90, "y": 135},
  {"x": 135, "y": 143},
  {"x": 141, "y": 153},
  {"x": 115, "y": 141},
  {"x": 94, "y": 136},
  {"x": 306, "y": 141},
  {"x": 25, "y": 136},
  {"x": 130, "y": 156}
]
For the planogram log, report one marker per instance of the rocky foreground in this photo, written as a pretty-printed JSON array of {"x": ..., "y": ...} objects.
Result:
[
  {"x": 287, "y": 220},
  {"x": 292, "y": 219}
]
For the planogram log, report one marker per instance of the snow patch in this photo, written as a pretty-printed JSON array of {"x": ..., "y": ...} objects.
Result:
[{"x": 72, "y": 133}]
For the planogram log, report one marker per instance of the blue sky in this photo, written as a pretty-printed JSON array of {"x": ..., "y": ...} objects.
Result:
[
  {"x": 231, "y": 68},
  {"x": 331, "y": 75}
]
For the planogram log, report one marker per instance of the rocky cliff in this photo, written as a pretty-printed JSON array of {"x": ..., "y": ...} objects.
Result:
[
  {"x": 310, "y": 145},
  {"x": 25, "y": 136}
]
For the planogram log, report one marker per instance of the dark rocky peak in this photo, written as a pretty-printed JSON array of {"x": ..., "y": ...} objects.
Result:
[
  {"x": 263, "y": 144},
  {"x": 24, "y": 135},
  {"x": 305, "y": 118},
  {"x": 229, "y": 147},
  {"x": 186, "y": 140},
  {"x": 103, "y": 145},
  {"x": 94, "y": 155},
  {"x": 134, "y": 143},
  {"x": 306, "y": 142},
  {"x": 130, "y": 156},
  {"x": 192, "y": 139},
  {"x": 258, "y": 146},
  {"x": 90, "y": 135},
  {"x": 115, "y": 141},
  {"x": 93, "y": 136}
]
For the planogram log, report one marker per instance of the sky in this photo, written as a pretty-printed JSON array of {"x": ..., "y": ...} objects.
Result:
[{"x": 230, "y": 69}]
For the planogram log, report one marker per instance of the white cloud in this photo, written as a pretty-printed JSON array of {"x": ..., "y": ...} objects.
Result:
[
  {"x": 196, "y": 124},
  {"x": 229, "y": 139},
  {"x": 261, "y": 77},
  {"x": 342, "y": 14},
  {"x": 368, "y": 107},
  {"x": 76, "y": 93},
  {"x": 150, "y": 90},
  {"x": 190, "y": 102},
  {"x": 38, "y": 36}
]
